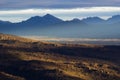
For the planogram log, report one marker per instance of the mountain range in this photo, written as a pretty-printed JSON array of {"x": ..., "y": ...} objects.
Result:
[{"x": 49, "y": 25}]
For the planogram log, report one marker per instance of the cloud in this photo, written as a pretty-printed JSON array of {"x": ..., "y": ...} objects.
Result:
[
  {"x": 18, "y": 15},
  {"x": 20, "y": 4},
  {"x": 57, "y": 11}
]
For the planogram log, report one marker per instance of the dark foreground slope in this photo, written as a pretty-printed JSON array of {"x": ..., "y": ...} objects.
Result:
[{"x": 23, "y": 59}]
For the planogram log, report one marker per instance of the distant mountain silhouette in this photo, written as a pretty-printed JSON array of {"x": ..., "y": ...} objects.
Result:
[
  {"x": 93, "y": 20},
  {"x": 50, "y": 19},
  {"x": 77, "y": 21},
  {"x": 5, "y": 25},
  {"x": 74, "y": 22},
  {"x": 49, "y": 25},
  {"x": 114, "y": 19},
  {"x": 4, "y": 22},
  {"x": 45, "y": 20}
]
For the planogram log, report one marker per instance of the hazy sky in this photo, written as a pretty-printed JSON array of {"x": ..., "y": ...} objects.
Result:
[{"x": 18, "y": 10}]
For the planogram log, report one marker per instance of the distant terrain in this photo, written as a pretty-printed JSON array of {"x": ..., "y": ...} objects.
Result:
[
  {"x": 51, "y": 26},
  {"x": 27, "y": 59},
  {"x": 76, "y": 40}
]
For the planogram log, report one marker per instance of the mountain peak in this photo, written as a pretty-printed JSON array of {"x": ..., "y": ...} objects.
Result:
[
  {"x": 116, "y": 16},
  {"x": 75, "y": 19},
  {"x": 114, "y": 19},
  {"x": 51, "y": 18},
  {"x": 48, "y": 15},
  {"x": 93, "y": 20},
  {"x": 47, "y": 19},
  {"x": 35, "y": 17}
]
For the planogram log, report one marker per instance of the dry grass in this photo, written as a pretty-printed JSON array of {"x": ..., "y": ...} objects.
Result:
[{"x": 40, "y": 60}]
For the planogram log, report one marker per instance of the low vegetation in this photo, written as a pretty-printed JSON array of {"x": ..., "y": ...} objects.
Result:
[{"x": 24, "y": 59}]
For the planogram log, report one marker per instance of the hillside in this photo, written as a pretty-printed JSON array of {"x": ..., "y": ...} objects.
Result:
[
  {"x": 14, "y": 38},
  {"x": 24, "y": 59}
]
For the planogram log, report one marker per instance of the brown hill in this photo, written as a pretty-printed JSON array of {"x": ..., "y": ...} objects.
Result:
[{"x": 24, "y": 59}]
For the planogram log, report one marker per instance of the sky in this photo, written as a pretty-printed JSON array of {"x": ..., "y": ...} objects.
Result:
[{"x": 18, "y": 10}]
